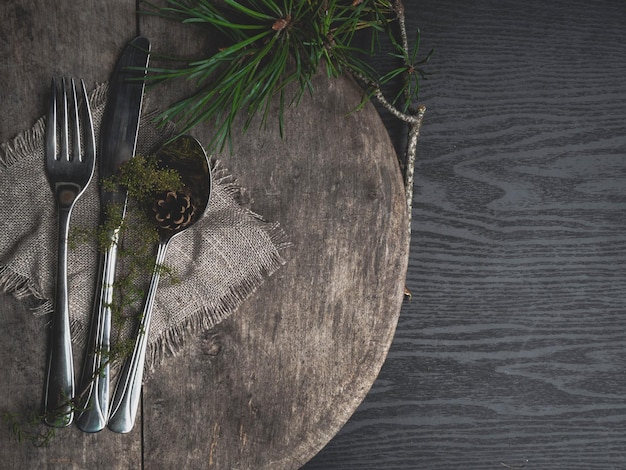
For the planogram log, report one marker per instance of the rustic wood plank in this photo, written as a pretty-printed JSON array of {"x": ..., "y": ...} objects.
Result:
[
  {"x": 511, "y": 353},
  {"x": 269, "y": 387},
  {"x": 38, "y": 41},
  {"x": 23, "y": 356}
]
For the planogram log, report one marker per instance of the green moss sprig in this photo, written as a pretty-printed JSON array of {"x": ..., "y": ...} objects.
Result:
[{"x": 141, "y": 177}]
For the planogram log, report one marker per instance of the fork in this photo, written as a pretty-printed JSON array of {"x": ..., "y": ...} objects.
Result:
[{"x": 69, "y": 172}]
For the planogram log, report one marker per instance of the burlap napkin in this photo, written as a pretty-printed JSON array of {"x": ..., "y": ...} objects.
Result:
[{"x": 219, "y": 261}]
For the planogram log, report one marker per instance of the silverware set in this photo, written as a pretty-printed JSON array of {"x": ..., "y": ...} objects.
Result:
[{"x": 70, "y": 165}]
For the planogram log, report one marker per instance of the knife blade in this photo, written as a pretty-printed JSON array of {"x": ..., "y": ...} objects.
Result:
[{"x": 118, "y": 139}]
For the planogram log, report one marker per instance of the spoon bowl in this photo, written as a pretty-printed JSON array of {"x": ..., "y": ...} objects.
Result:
[
  {"x": 172, "y": 212},
  {"x": 176, "y": 210}
]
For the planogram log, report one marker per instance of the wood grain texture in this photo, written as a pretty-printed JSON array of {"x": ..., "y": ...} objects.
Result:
[
  {"x": 511, "y": 353},
  {"x": 39, "y": 40},
  {"x": 272, "y": 385},
  {"x": 298, "y": 357}
]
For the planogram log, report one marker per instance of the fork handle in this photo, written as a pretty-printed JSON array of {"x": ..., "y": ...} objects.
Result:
[
  {"x": 95, "y": 374},
  {"x": 60, "y": 373}
]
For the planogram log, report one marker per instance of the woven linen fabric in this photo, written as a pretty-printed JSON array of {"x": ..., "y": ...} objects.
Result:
[{"x": 217, "y": 262}]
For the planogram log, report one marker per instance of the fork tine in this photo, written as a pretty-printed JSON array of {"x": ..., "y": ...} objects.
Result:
[
  {"x": 75, "y": 124},
  {"x": 51, "y": 124},
  {"x": 90, "y": 139},
  {"x": 65, "y": 152}
]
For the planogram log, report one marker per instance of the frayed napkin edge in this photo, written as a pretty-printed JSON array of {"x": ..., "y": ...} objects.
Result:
[
  {"x": 26, "y": 142},
  {"x": 22, "y": 144},
  {"x": 171, "y": 341},
  {"x": 11, "y": 152},
  {"x": 22, "y": 288}
]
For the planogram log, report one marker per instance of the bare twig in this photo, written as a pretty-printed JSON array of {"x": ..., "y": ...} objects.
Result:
[
  {"x": 416, "y": 117},
  {"x": 409, "y": 165},
  {"x": 413, "y": 117}
]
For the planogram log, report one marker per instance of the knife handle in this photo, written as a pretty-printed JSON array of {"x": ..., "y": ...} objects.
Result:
[
  {"x": 60, "y": 374},
  {"x": 95, "y": 374}
]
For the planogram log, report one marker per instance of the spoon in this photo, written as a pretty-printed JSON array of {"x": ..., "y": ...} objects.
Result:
[{"x": 172, "y": 212}]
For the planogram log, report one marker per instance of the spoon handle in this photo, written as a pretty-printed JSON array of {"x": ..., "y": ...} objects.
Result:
[
  {"x": 95, "y": 374},
  {"x": 128, "y": 391}
]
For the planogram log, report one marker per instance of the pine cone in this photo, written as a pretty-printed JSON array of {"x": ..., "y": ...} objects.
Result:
[{"x": 173, "y": 210}]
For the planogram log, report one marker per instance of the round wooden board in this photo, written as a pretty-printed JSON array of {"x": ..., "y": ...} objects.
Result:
[
  {"x": 269, "y": 387},
  {"x": 274, "y": 383}
]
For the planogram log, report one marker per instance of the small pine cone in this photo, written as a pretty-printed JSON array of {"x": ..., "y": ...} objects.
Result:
[{"x": 173, "y": 210}]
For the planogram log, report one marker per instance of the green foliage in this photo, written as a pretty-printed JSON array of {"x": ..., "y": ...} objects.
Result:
[
  {"x": 268, "y": 44},
  {"x": 28, "y": 428},
  {"x": 142, "y": 177},
  {"x": 410, "y": 71}
]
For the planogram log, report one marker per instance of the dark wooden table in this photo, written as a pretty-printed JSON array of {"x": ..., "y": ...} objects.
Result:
[
  {"x": 512, "y": 352},
  {"x": 270, "y": 386}
]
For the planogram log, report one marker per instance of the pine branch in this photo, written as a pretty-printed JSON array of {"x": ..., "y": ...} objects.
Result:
[{"x": 265, "y": 38}]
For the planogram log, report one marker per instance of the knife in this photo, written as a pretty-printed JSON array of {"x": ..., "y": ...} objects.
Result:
[{"x": 118, "y": 138}]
